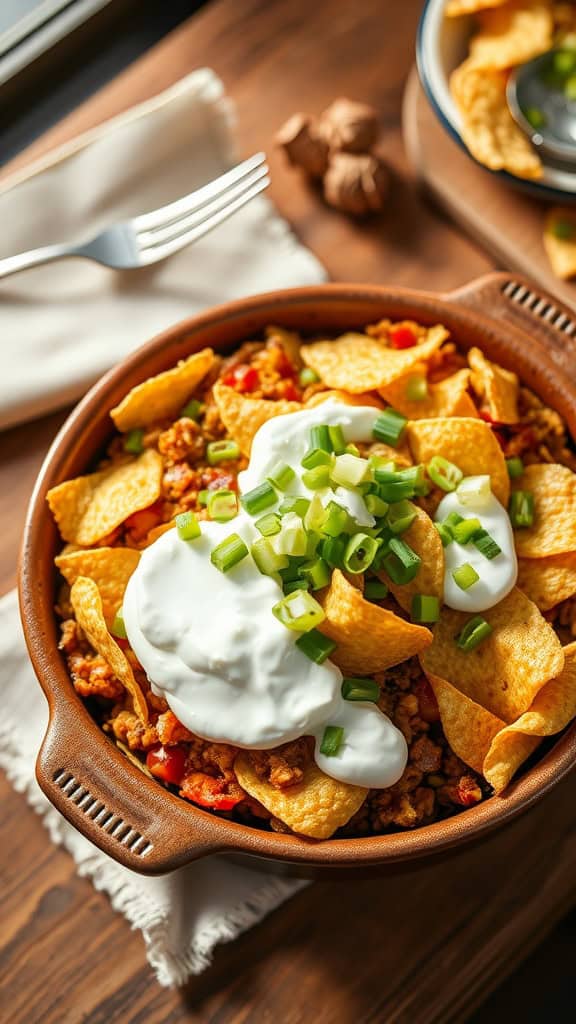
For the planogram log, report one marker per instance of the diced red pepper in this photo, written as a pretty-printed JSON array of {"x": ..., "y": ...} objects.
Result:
[
  {"x": 242, "y": 378},
  {"x": 402, "y": 337},
  {"x": 427, "y": 704},
  {"x": 468, "y": 791},
  {"x": 206, "y": 791},
  {"x": 289, "y": 391},
  {"x": 167, "y": 763}
]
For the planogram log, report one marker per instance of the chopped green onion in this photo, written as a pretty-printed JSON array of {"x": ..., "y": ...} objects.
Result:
[
  {"x": 268, "y": 561},
  {"x": 352, "y": 449},
  {"x": 228, "y": 553},
  {"x": 187, "y": 526},
  {"x": 360, "y": 689},
  {"x": 466, "y": 530},
  {"x": 259, "y": 498},
  {"x": 376, "y": 506},
  {"x": 312, "y": 541},
  {"x": 349, "y": 470},
  {"x": 315, "y": 645},
  {"x": 564, "y": 230},
  {"x": 375, "y": 590},
  {"x": 222, "y": 451},
  {"x": 473, "y": 633},
  {"x": 317, "y": 573},
  {"x": 445, "y": 534},
  {"x": 193, "y": 409},
  {"x": 389, "y": 427},
  {"x": 521, "y": 509},
  {"x": 465, "y": 576},
  {"x": 515, "y": 467},
  {"x": 564, "y": 61},
  {"x": 425, "y": 608},
  {"x": 360, "y": 553},
  {"x": 118, "y": 628},
  {"x": 486, "y": 545},
  {"x": 299, "y": 611},
  {"x": 204, "y": 497},
  {"x": 316, "y": 457},
  {"x": 281, "y": 476},
  {"x": 535, "y": 117},
  {"x": 222, "y": 505},
  {"x": 452, "y": 520},
  {"x": 384, "y": 465},
  {"x": 133, "y": 442},
  {"x": 335, "y": 521},
  {"x": 474, "y": 491},
  {"x": 307, "y": 376},
  {"x": 316, "y": 478},
  {"x": 298, "y": 505},
  {"x": 331, "y": 740},
  {"x": 337, "y": 439},
  {"x": 268, "y": 525},
  {"x": 289, "y": 586},
  {"x": 292, "y": 538},
  {"x": 443, "y": 473},
  {"x": 395, "y": 491},
  {"x": 402, "y": 563},
  {"x": 333, "y": 549},
  {"x": 417, "y": 388},
  {"x": 320, "y": 437},
  {"x": 401, "y": 515},
  {"x": 315, "y": 515}
]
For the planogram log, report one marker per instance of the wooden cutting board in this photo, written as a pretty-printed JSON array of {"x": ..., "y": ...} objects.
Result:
[{"x": 505, "y": 222}]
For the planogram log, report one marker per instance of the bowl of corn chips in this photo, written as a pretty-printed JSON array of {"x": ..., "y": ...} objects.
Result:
[{"x": 466, "y": 51}]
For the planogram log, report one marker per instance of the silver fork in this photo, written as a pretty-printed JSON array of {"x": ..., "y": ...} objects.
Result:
[{"x": 154, "y": 236}]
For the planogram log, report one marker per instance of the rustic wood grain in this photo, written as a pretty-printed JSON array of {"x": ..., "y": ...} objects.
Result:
[
  {"x": 506, "y": 222},
  {"x": 423, "y": 947}
]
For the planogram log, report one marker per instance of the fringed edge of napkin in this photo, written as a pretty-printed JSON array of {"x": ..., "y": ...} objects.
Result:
[{"x": 172, "y": 967}]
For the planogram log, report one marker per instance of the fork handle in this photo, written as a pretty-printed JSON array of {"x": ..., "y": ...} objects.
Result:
[{"x": 33, "y": 258}]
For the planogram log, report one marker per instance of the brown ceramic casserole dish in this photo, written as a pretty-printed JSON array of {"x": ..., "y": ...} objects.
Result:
[{"x": 126, "y": 814}]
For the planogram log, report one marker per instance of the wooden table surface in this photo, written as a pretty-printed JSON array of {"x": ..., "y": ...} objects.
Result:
[{"x": 421, "y": 947}]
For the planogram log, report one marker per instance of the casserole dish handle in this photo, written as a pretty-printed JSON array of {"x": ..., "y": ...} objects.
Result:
[
  {"x": 107, "y": 798},
  {"x": 522, "y": 304}
]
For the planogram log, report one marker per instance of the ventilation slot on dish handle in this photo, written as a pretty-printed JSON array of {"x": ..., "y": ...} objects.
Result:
[
  {"x": 539, "y": 306},
  {"x": 101, "y": 815}
]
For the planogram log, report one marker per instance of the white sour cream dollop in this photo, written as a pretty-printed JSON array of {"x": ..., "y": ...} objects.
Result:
[
  {"x": 497, "y": 575},
  {"x": 212, "y": 648}
]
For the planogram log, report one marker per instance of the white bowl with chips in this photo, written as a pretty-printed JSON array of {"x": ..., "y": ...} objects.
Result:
[{"x": 441, "y": 45}]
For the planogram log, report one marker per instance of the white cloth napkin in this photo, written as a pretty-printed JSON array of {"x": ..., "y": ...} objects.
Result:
[
  {"x": 64, "y": 324},
  {"x": 183, "y": 915},
  {"x": 61, "y": 326}
]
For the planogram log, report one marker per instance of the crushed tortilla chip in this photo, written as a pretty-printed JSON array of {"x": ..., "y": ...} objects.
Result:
[
  {"x": 493, "y": 748},
  {"x": 488, "y": 128},
  {"x": 554, "y": 529},
  {"x": 243, "y": 416},
  {"x": 468, "y": 443},
  {"x": 495, "y": 386},
  {"x": 87, "y": 605},
  {"x": 110, "y": 568},
  {"x": 424, "y": 539},
  {"x": 455, "y": 8},
  {"x": 370, "y": 638},
  {"x": 343, "y": 396},
  {"x": 90, "y": 507},
  {"x": 547, "y": 581},
  {"x": 316, "y": 807},
  {"x": 449, "y": 397},
  {"x": 512, "y": 34},
  {"x": 163, "y": 396},
  {"x": 157, "y": 531},
  {"x": 507, "y": 670},
  {"x": 560, "y": 241},
  {"x": 357, "y": 363}
]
